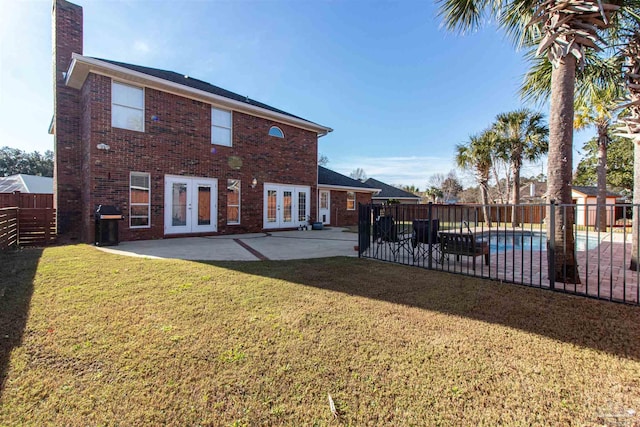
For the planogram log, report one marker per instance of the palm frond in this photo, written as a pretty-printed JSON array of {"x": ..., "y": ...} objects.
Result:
[
  {"x": 462, "y": 15},
  {"x": 599, "y": 73}
]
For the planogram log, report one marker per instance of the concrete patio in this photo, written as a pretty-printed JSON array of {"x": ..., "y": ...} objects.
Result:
[{"x": 280, "y": 245}]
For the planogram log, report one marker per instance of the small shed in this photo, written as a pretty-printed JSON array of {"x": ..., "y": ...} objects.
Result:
[{"x": 586, "y": 200}]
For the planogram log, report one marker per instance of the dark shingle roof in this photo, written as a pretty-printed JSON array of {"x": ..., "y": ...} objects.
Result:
[
  {"x": 593, "y": 191},
  {"x": 329, "y": 177},
  {"x": 388, "y": 191},
  {"x": 197, "y": 84}
]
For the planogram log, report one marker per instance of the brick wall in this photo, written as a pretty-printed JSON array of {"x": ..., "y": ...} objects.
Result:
[
  {"x": 340, "y": 216},
  {"x": 67, "y": 39},
  {"x": 177, "y": 141}
]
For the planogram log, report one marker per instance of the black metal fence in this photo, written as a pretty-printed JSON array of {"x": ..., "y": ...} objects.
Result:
[{"x": 523, "y": 249}]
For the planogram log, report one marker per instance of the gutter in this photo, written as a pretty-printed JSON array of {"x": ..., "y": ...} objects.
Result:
[{"x": 342, "y": 188}]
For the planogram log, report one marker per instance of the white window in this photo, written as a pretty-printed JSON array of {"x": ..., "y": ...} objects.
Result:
[
  {"x": 139, "y": 200},
  {"x": 351, "y": 201},
  {"x": 233, "y": 201},
  {"x": 220, "y": 127},
  {"x": 127, "y": 107},
  {"x": 276, "y": 131}
]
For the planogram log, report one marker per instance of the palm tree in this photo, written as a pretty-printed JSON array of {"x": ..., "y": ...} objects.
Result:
[
  {"x": 597, "y": 99},
  {"x": 434, "y": 193},
  {"x": 562, "y": 30},
  {"x": 522, "y": 135},
  {"x": 477, "y": 155},
  {"x": 598, "y": 108}
]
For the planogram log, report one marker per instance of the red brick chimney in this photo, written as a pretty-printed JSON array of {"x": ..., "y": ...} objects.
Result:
[{"x": 67, "y": 176}]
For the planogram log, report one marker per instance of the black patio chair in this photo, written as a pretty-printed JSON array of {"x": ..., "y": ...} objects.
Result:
[
  {"x": 425, "y": 233},
  {"x": 386, "y": 234}
]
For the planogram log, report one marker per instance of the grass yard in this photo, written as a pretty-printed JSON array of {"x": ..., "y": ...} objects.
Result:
[{"x": 88, "y": 338}]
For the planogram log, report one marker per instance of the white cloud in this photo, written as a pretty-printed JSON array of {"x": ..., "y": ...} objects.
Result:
[
  {"x": 141, "y": 47},
  {"x": 410, "y": 170}
]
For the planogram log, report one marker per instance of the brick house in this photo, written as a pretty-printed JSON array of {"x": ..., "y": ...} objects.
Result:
[
  {"x": 177, "y": 155},
  {"x": 339, "y": 196}
]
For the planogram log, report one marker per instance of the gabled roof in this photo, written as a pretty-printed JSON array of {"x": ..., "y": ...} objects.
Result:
[
  {"x": 332, "y": 179},
  {"x": 196, "y": 84},
  {"x": 592, "y": 191},
  {"x": 183, "y": 85},
  {"x": 26, "y": 184},
  {"x": 389, "y": 191}
]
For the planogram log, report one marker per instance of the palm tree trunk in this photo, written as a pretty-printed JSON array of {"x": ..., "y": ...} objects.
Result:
[
  {"x": 484, "y": 195},
  {"x": 601, "y": 173},
  {"x": 494, "y": 169},
  {"x": 559, "y": 168},
  {"x": 635, "y": 262},
  {"x": 515, "y": 193}
]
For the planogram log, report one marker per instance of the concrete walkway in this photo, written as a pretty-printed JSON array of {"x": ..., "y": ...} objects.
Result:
[{"x": 279, "y": 245}]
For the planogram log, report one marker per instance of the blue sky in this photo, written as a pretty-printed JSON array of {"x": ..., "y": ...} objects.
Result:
[{"x": 397, "y": 88}]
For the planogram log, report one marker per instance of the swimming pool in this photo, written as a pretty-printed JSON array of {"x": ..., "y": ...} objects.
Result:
[{"x": 531, "y": 241}]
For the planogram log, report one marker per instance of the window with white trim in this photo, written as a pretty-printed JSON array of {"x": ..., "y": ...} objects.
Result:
[
  {"x": 233, "y": 201},
  {"x": 276, "y": 131},
  {"x": 351, "y": 201},
  {"x": 220, "y": 127},
  {"x": 302, "y": 206},
  {"x": 139, "y": 200},
  {"x": 127, "y": 107}
]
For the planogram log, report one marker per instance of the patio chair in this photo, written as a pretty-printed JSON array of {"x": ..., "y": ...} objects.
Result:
[
  {"x": 461, "y": 244},
  {"x": 425, "y": 233},
  {"x": 386, "y": 234}
]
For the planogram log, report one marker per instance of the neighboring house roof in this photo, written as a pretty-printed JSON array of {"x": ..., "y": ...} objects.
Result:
[
  {"x": 181, "y": 84},
  {"x": 331, "y": 179},
  {"x": 26, "y": 184},
  {"x": 592, "y": 191},
  {"x": 390, "y": 192}
]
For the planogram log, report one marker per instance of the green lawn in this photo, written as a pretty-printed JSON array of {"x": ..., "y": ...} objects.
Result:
[{"x": 88, "y": 338}]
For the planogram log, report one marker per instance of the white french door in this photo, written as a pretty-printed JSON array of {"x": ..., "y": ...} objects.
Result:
[
  {"x": 285, "y": 206},
  {"x": 190, "y": 204}
]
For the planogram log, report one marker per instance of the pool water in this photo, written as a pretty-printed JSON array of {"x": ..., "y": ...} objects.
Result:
[{"x": 532, "y": 242}]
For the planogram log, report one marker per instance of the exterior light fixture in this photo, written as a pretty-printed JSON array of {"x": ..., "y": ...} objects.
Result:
[
  {"x": 104, "y": 147},
  {"x": 254, "y": 182}
]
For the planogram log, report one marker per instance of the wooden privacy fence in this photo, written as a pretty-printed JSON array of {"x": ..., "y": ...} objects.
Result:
[
  {"x": 8, "y": 228},
  {"x": 27, "y": 227},
  {"x": 26, "y": 200},
  {"x": 472, "y": 213}
]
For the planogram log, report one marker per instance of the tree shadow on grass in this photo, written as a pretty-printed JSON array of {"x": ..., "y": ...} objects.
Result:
[
  {"x": 17, "y": 271},
  {"x": 600, "y": 325}
]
